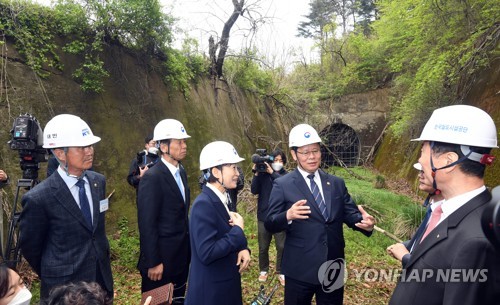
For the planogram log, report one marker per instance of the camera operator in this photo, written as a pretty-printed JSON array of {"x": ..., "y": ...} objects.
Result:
[
  {"x": 144, "y": 160},
  {"x": 4, "y": 179},
  {"x": 262, "y": 184}
]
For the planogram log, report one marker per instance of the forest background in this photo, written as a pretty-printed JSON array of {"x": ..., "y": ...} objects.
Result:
[{"x": 67, "y": 58}]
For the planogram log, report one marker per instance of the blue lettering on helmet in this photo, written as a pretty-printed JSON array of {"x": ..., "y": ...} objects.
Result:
[{"x": 85, "y": 132}]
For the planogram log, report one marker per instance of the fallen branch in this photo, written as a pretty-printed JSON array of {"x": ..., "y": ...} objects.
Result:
[{"x": 388, "y": 234}]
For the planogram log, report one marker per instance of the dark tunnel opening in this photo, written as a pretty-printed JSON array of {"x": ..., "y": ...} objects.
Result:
[{"x": 341, "y": 146}]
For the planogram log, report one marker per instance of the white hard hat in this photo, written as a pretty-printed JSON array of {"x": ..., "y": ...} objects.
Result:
[
  {"x": 218, "y": 153},
  {"x": 169, "y": 129},
  {"x": 67, "y": 130},
  {"x": 418, "y": 166},
  {"x": 462, "y": 125},
  {"x": 303, "y": 134}
]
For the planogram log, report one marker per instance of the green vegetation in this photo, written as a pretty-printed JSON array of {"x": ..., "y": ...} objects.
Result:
[
  {"x": 393, "y": 212},
  {"x": 420, "y": 48},
  {"x": 89, "y": 29}
]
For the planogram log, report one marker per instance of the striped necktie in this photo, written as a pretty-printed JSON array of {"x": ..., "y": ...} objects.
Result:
[{"x": 317, "y": 196}]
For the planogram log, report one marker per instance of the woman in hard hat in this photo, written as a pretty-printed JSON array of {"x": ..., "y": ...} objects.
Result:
[{"x": 218, "y": 244}]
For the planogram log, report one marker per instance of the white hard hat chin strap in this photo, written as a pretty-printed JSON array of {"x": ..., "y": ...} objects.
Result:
[{"x": 64, "y": 165}]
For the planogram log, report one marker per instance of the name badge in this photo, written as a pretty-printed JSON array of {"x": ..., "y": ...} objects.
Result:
[{"x": 104, "y": 205}]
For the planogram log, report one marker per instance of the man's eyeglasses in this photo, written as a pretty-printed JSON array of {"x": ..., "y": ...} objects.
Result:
[{"x": 308, "y": 153}]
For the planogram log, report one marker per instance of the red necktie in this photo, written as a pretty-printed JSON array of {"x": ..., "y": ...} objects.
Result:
[{"x": 435, "y": 217}]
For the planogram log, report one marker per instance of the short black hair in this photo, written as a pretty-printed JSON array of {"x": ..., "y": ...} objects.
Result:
[
  {"x": 468, "y": 167},
  {"x": 148, "y": 138},
  {"x": 79, "y": 293},
  {"x": 4, "y": 280},
  {"x": 212, "y": 178},
  {"x": 279, "y": 152}
]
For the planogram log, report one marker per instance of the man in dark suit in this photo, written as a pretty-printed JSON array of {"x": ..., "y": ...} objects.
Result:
[
  {"x": 402, "y": 251},
  {"x": 312, "y": 206},
  {"x": 453, "y": 262},
  {"x": 162, "y": 210},
  {"x": 62, "y": 224}
]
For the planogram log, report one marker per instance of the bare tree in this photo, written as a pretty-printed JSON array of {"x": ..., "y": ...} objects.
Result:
[{"x": 250, "y": 11}]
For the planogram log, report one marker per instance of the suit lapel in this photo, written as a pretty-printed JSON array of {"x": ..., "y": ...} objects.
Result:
[
  {"x": 302, "y": 186},
  {"x": 171, "y": 182},
  {"x": 66, "y": 200},
  {"x": 185, "y": 183},
  {"x": 219, "y": 206},
  {"x": 94, "y": 190},
  {"x": 440, "y": 233},
  {"x": 326, "y": 184}
]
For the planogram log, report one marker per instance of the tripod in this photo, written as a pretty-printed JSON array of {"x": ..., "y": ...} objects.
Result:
[{"x": 11, "y": 255}]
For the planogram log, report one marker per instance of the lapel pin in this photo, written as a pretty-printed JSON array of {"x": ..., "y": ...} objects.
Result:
[
  {"x": 95, "y": 184},
  {"x": 437, "y": 236},
  {"x": 328, "y": 183}
]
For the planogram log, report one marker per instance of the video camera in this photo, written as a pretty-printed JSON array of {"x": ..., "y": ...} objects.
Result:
[
  {"x": 147, "y": 159},
  {"x": 260, "y": 158},
  {"x": 262, "y": 298},
  {"x": 27, "y": 138}
]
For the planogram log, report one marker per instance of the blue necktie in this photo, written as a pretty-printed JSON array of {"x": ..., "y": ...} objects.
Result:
[
  {"x": 317, "y": 197},
  {"x": 84, "y": 202},
  {"x": 179, "y": 184}
]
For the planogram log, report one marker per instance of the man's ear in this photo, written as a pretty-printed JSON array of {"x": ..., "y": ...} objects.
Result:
[
  {"x": 451, "y": 157},
  {"x": 59, "y": 153},
  {"x": 294, "y": 154}
]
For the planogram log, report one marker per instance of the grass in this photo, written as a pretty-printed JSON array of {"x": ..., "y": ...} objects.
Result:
[{"x": 365, "y": 256}]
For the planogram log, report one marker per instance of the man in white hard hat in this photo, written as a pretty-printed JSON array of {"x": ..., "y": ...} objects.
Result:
[
  {"x": 311, "y": 206},
  {"x": 62, "y": 224},
  {"x": 453, "y": 262},
  {"x": 162, "y": 211},
  {"x": 218, "y": 243},
  {"x": 402, "y": 251}
]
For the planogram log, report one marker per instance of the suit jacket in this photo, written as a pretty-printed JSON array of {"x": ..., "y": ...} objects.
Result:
[
  {"x": 56, "y": 240},
  {"x": 213, "y": 277},
  {"x": 311, "y": 242},
  {"x": 262, "y": 184},
  {"x": 163, "y": 222},
  {"x": 456, "y": 246}
]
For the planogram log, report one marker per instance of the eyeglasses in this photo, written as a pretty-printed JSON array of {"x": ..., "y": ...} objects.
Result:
[{"x": 308, "y": 153}]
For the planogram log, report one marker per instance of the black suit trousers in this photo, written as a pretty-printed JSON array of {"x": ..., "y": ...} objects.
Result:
[{"x": 301, "y": 293}]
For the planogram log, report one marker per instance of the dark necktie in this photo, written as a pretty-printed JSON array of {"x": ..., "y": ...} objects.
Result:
[
  {"x": 84, "y": 202},
  {"x": 317, "y": 196}
]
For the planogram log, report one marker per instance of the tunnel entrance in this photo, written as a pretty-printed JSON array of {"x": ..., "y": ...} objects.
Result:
[{"x": 341, "y": 146}]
